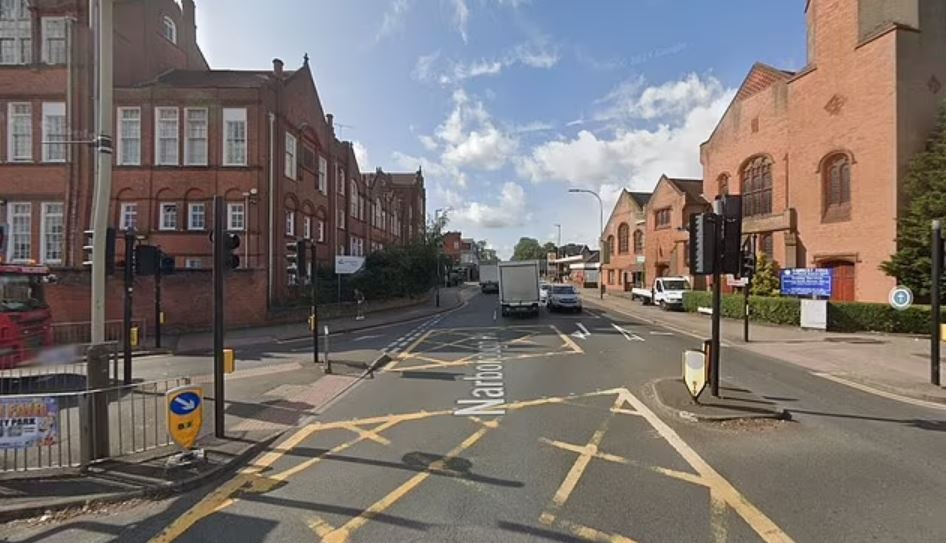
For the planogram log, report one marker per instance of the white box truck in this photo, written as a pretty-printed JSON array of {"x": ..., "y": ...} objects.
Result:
[
  {"x": 489, "y": 278},
  {"x": 519, "y": 287}
]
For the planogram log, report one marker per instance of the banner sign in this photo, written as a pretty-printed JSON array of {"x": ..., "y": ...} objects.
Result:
[
  {"x": 28, "y": 422},
  {"x": 806, "y": 282},
  {"x": 346, "y": 265}
]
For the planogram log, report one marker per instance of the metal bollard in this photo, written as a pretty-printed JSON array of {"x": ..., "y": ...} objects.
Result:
[{"x": 328, "y": 362}]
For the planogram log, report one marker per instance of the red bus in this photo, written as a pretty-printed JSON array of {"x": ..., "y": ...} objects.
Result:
[{"x": 25, "y": 319}]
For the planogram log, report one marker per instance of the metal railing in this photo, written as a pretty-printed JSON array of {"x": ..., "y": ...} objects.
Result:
[
  {"x": 65, "y": 333},
  {"x": 55, "y": 429},
  {"x": 57, "y": 369}
]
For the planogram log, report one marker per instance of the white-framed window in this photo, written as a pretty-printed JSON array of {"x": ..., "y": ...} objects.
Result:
[
  {"x": 16, "y": 33},
  {"x": 20, "y": 217},
  {"x": 195, "y": 136},
  {"x": 52, "y": 233},
  {"x": 290, "y": 156},
  {"x": 20, "y": 132},
  {"x": 128, "y": 219},
  {"x": 361, "y": 208},
  {"x": 340, "y": 181},
  {"x": 307, "y": 227},
  {"x": 340, "y": 216},
  {"x": 129, "y": 136},
  {"x": 196, "y": 216},
  {"x": 377, "y": 213},
  {"x": 169, "y": 29},
  {"x": 321, "y": 231},
  {"x": 193, "y": 263},
  {"x": 166, "y": 136},
  {"x": 54, "y": 50},
  {"x": 234, "y": 141},
  {"x": 290, "y": 222},
  {"x": 167, "y": 216},
  {"x": 323, "y": 175},
  {"x": 236, "y": 216},
  {"x": 357, "y": 246},
  {"x": 353, "y": 199},
  {"x": 54, "y": 132}
]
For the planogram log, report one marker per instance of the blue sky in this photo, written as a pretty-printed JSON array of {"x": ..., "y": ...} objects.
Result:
[{"x": 508, "y": 103}]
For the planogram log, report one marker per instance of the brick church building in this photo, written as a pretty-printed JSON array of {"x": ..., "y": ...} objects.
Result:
[
  {"x": 183, "y": 133},
  {"x": 820, "y": 155}
]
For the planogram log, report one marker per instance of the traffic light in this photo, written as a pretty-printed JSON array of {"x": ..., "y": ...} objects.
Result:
[
  {"x": 301, "y": 249},
  {"x": 231, "y": 260},
  {"x": 109, "y": 250},
  {"x": 748, "y": 264},
  {"x": 732, "y": 234},
  {"x": 703, "y": 243},
  {"x": 166, "y": 263},
  {"x": 146, "y": 260}
]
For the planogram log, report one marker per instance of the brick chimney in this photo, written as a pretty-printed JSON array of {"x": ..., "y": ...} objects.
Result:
[
  {"x": 330, "y": 119},
  {"x": 277, "y": 67},
  {"x": 188, "y": 33}
]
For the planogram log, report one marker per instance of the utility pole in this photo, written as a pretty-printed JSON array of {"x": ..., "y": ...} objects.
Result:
[
  {"x": 315, "y": 306},
  {"x": 157, "y": 302},
  {"x": 601, "y": 255},
  {"x": 103, "y": 182},
  {"x": 935, "y": 295},
  {"x": 218, "y": 278},
  {"x": 129, "y": 287},
  {"x": 718, "y": 221}
]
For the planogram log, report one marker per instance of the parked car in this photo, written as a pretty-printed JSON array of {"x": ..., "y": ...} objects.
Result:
[{"x": 564, "y": 297}]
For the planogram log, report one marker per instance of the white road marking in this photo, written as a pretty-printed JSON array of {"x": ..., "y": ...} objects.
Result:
[
  {"x": 582, "y": 332},
  {"x": 657, "y": 333},
  {"x": 369, "y": 336},
  {"x": 630, "y": 336},
  {"x": 881, "y": 393}
]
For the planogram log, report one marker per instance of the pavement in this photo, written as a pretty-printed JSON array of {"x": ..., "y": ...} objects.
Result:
[
  {"x": 893, "y": 363},
  {"x": 484, "y": 428}
]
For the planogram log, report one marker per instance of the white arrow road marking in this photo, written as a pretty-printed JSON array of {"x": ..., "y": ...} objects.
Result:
[
  {"x": 627, "y": 335},
  {"x": 186, "y": 404},
  {"x": 582, "y": 332},
  {"x": 369, "y": 336}
]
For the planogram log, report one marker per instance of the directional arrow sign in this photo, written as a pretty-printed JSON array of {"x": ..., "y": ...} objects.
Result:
[
  {"x": 184, "y": 414},
  {"x": 630, "y": 336},
  {"x": 582, "y": 332}
]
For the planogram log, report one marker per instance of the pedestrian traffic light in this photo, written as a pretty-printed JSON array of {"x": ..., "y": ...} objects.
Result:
[
  {"x": 231, "y": 260},
  {"x": 109, "y": 250},
  {"x": 293, "y": 262},
  {"x": 732, "y": 234},
  {"x": 703, "y": 243},
  {"x": 748, "y": 264}
]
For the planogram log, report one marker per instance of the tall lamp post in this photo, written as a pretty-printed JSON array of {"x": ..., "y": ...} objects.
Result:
[
  {"x": 558, "y": 249},
  {"x": 437, "y": 289},
  {"x": 600, "y": 238}
]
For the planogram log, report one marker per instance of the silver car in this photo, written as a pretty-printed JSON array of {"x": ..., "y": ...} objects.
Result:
[{"x": 564, "y": 297}]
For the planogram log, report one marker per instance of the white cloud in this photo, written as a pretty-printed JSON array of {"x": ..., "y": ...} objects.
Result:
[
  {"x": 432, "y": 68},
  {"x": 393, "y": 20},
  {"x": 428, "y": 142},
  {"x": 461, "y": 16},
  {"x": 636, "y": 157},
  {"x": 469, "y": 137},
  {"x": 509, "y": 211},
  {"x": 361, "y": 155},
  {"x": 631, "y": 100}
]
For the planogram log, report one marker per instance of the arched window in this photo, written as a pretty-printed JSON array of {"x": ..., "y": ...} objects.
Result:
[
  {"x": 757, "y": 187},
  {"x": 610, "y": 245},
  {"x": 836, "y": 186},
  {"x": 722, "y": 183},
  {"x": 169, "y": 29},
  {"x": 624, "y": 235},
  {"x": 638, "y": 242}
]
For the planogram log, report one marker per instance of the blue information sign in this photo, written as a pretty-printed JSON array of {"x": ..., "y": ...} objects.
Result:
[{"x": 806, "y": 282}]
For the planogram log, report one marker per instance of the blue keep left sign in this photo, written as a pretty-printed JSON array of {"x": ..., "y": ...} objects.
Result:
[{"x": 185, "y": 403}]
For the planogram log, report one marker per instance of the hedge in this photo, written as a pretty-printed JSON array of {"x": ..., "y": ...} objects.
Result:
[{"x": 842, "y": 316}]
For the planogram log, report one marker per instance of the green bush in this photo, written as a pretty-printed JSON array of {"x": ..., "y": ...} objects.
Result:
[{"x": 761, "y": 308}]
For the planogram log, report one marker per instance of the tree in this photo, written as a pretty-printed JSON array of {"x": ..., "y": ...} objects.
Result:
[
  {"x": 925, "y": 189},
  {"x": 528, "y": 249},
  {"x": 765, "y": 282},
  {"x": 549, "y": 248},
  {"x": 487, "y": 254}
]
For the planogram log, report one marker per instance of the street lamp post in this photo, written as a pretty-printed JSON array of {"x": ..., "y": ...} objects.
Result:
[
  {"x": 600, "y": 238},
  {"x": 558, "y": 249},
  {"x": 437, "y": 288}
]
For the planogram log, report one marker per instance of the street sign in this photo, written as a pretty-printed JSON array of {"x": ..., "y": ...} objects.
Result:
[
  {"x": 900, "y": 297},
  {"x": 695, "y": 372},
  {"x": 806, "y": 282},
  {"x": 346, "y": 265},
  {"x": 185, "y": 406}
]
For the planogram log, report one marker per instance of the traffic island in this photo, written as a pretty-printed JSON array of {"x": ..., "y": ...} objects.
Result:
[{"x": 735, "y": 403}]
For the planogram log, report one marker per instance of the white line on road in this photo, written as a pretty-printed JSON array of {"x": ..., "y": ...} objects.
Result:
[
  {"x": 627, "y": 335},
  {"x": 369, "y": 336},
  {"x": 582, "y": 332},
  {"x": 657, "y": 333},
  {"x": 881, "y": 393}
]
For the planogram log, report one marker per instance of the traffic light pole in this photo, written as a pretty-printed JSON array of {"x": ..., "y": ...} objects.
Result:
[
  {"x": 315, "y": 308},
  {"x": 745, "y": 292},
  {"x": 126, "y": 317},
  {"x": 935, "y": 295},
  {"x": 157, "y": 306},
  {"x": 717, "y": 299},
  {"x": 218, "y": 277}
]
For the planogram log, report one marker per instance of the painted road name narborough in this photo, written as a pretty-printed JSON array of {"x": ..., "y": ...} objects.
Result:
[{"x": 489, "y": 391}]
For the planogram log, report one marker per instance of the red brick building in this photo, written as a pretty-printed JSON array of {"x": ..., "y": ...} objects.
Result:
[
  {"x": 183, "y": 133},
  {"x": 453, "y": 246},
  {"x": 820, "y": 155},
  {"x": 666, "y": 236},
  {"x": 624, "y": 236}
]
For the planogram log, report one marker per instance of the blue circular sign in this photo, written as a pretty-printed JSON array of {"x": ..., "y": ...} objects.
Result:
[
  {"x": 185, "y": 403},
  {"x": 900, "y": 297}
]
